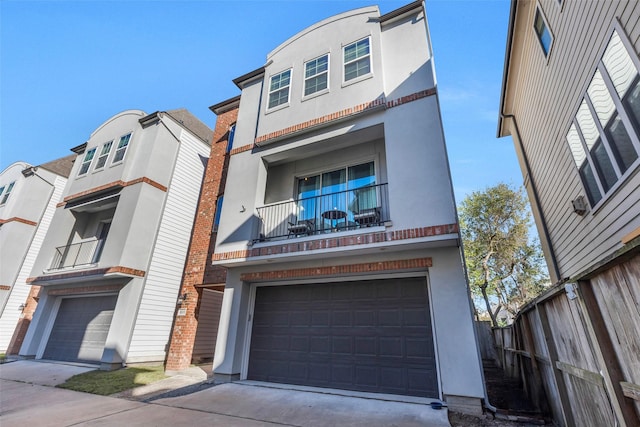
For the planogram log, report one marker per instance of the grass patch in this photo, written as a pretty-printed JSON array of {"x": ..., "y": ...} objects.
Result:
[
  {"x": 110, "y": 382},
  {"x": 3, "y": 357}
]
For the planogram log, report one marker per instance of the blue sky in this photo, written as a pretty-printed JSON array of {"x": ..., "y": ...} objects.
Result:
[{"x": 67, "y": 66}]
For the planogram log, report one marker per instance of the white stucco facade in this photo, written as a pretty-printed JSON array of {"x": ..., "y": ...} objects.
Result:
[{"x": 387, "y": 119}]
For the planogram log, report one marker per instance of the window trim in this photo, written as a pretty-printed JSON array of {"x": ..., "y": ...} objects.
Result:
[
  {"x": 540, "y": 12},
  {"x": 106, "y": 156},
  {"x": 620, "y": 110},
  {"x": 269, "y": 92},
  {"x": 327, "y": 72},
  {"x": 115, "y": 162},
  {"x": 344, "y": 64},
  {"x": 7, "y": 193},
  {"x": 89, "y": 163}
]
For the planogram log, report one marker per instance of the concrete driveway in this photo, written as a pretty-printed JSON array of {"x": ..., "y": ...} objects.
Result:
[{"x": 24, "y": 400}]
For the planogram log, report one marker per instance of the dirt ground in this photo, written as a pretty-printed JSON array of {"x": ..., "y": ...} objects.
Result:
[{"x": 461, "y": 420}]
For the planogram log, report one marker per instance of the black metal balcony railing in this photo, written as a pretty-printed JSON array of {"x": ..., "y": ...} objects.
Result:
[
  {"x": 328, "y": 213},
  {"x": 77, "y": 254}
]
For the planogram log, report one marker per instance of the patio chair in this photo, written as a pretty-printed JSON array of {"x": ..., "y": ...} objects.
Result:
[
  {"x": 367, "y": 217},
  {"x": 302, "y": 227}
]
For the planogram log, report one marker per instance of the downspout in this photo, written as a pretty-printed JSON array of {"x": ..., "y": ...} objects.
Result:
[{"x": 545, "y": 229}]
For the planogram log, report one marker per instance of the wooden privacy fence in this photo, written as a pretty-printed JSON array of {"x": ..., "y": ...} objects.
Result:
[{"x": 576, "y": 349}]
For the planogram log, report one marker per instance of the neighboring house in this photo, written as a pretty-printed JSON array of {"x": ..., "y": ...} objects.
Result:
[
  {"x": 28, "y": 198},
  {"x": 111, "y": 265},
  {"x": 571, "y": 102},
  {"x": 195, "y": 329},
  {"x": 338, "y": 228}
]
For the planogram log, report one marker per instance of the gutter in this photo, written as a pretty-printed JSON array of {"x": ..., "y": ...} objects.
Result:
[{"x": 507, "y": 61}]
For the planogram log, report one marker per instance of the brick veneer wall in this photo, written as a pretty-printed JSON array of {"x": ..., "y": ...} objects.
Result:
[
  {"x": 198, "y": 270},
  {"x": 25, "y": 320}
]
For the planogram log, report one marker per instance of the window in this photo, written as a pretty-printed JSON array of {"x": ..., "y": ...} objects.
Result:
[
  {"x": 279, "y": 89},
  {"x": 122, "y": 148},
  {"x": 347, "y": 189},
  {"x": 357, "y": 60},
  {"x": 216, "y": 220},
  {"x": 604, "y": 136},
  {"x": 542, "y": 30},
  {"x": 86, "y": 163},
  {"x": 316, "y": 75},
  {"x": 104, "y": 154},
  {"x": 6, "y": 193},
  {"x": 232, "y": 133}
]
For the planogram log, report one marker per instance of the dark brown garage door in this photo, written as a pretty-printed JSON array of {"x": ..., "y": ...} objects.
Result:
[
  {"x": 372, "y": 336},
  {"x": 80, "y": 330}
]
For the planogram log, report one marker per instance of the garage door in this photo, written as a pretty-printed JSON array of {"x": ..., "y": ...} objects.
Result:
[
  {"x": 372, "y": 336},
  {"x": 80, "y": 329}
]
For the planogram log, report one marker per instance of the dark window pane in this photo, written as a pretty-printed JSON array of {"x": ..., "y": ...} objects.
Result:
[
  {"x": 590, "y": 184},
  {"x": 603, "y": 164},
  {"x": 621, "y": 144},
  {"x": 632, "y": 104}
]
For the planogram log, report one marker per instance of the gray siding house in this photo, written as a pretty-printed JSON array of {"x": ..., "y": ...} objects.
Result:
[
  {"x": 571, "y": 102},
  {"x": 338, "y": 227},
  {"x": 110, "y": 267},
  {"x": 28, "y": 198}
]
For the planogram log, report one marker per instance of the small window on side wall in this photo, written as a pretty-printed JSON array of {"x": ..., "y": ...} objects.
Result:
[
  {"x": 7, "y": 193},
  {"x": 104, "y": 154},
  {"x": 542, "y": 30},
  {"x": 122, "y": 148},
  {"x": 86, "y": 162},
  {"x": 232, "y": 133},
  {"x": 316, "y": 75},
  {"x": 216, "y": 220}
]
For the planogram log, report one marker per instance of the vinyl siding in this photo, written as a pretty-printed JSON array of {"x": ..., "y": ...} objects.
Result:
[
  {"x": 545, "y": 95},
  {"x": 158, "y": 304},
  {"x": 20, "y": 290}
]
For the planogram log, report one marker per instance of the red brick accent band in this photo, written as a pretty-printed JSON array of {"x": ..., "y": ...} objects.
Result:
[
  {"x": 17, "y": 219},
  {"x": 85, "y": 290},
  {"x": 114, "y": 184},
  {"x": 86, "y": 273},
  {"x": 335, "y": 242},
  {"x": 241, "y": 149},
  {"x": 5, "y": 288},
  {"x": 367, "y": 267},
  {"x": 339, "y": 115}
]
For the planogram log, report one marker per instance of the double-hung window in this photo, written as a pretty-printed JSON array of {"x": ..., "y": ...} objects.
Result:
[
  {"x": 7, "y": 193},
  {"x": 316, "y": 75},
  {"x": 357, "y": 59},
  {"x": 543, "y": 32},
  {"x": 279, "y": 89},
  {"x": 104, "y": 154},
  {"x": 122, "y": 148},
  {"x": 604, "y": 136},
  {"x": 86, "y": 162}
]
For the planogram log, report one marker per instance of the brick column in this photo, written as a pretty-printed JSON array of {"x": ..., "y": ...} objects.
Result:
[
  {"x": 25, "y": 320},
  {"x": 198, "y": 269}
]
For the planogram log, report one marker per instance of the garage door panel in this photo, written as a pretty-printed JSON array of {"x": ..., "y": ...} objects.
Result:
[
  {"x": 367, "y": 336},
  {"x": 80, "y": 329}
]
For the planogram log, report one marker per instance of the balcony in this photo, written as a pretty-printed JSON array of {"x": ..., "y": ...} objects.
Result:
[
  {"x": 77, "y": 254},
  {"x": 327, "y": 213}
]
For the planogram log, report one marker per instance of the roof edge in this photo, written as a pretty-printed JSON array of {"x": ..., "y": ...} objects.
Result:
[
  {"x": 224, "y": 106},
  {"x": 400, "y": 11},
  {"x": 507, "y": 62},
  {"x": 246, "y": 78}
]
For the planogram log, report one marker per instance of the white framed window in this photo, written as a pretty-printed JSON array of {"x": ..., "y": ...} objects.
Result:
[
  {"x": 86, "y": 162},
  {"x": 103, "y": 156},
  {"x": 316, "y": 75},
  {"x": 604, "y": 136},
  {"x": 121, "y": 150},
  {"x": 357, "y": 59},
  {"x": 7, "y": 193},
  {"x": 279, "y": 89},
  {"x": 542, "y": 31}
]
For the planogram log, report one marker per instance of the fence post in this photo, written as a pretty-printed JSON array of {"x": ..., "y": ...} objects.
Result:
[{"x": 560, "y": 384}]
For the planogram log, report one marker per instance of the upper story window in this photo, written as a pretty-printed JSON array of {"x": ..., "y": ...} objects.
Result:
[
  {"x": 279, "y": 89},
  {"x": 104, "y": 154},
  {"x": 86, "y": 162},
  {"x": 216, "y": 219},
  {"x": 604, "y": 137},
  {"x": 232, "y": 133},
  {"x": 7, "y": 193},
  {"x": 543, "y": 32},
  {"x": 122, "y": 148},
  {"x": 316, "y": 75},
  {"x": 357, "y": 59}
]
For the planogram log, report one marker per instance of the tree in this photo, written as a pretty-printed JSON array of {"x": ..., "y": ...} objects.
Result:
[{"x": 505, "y": 266}]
